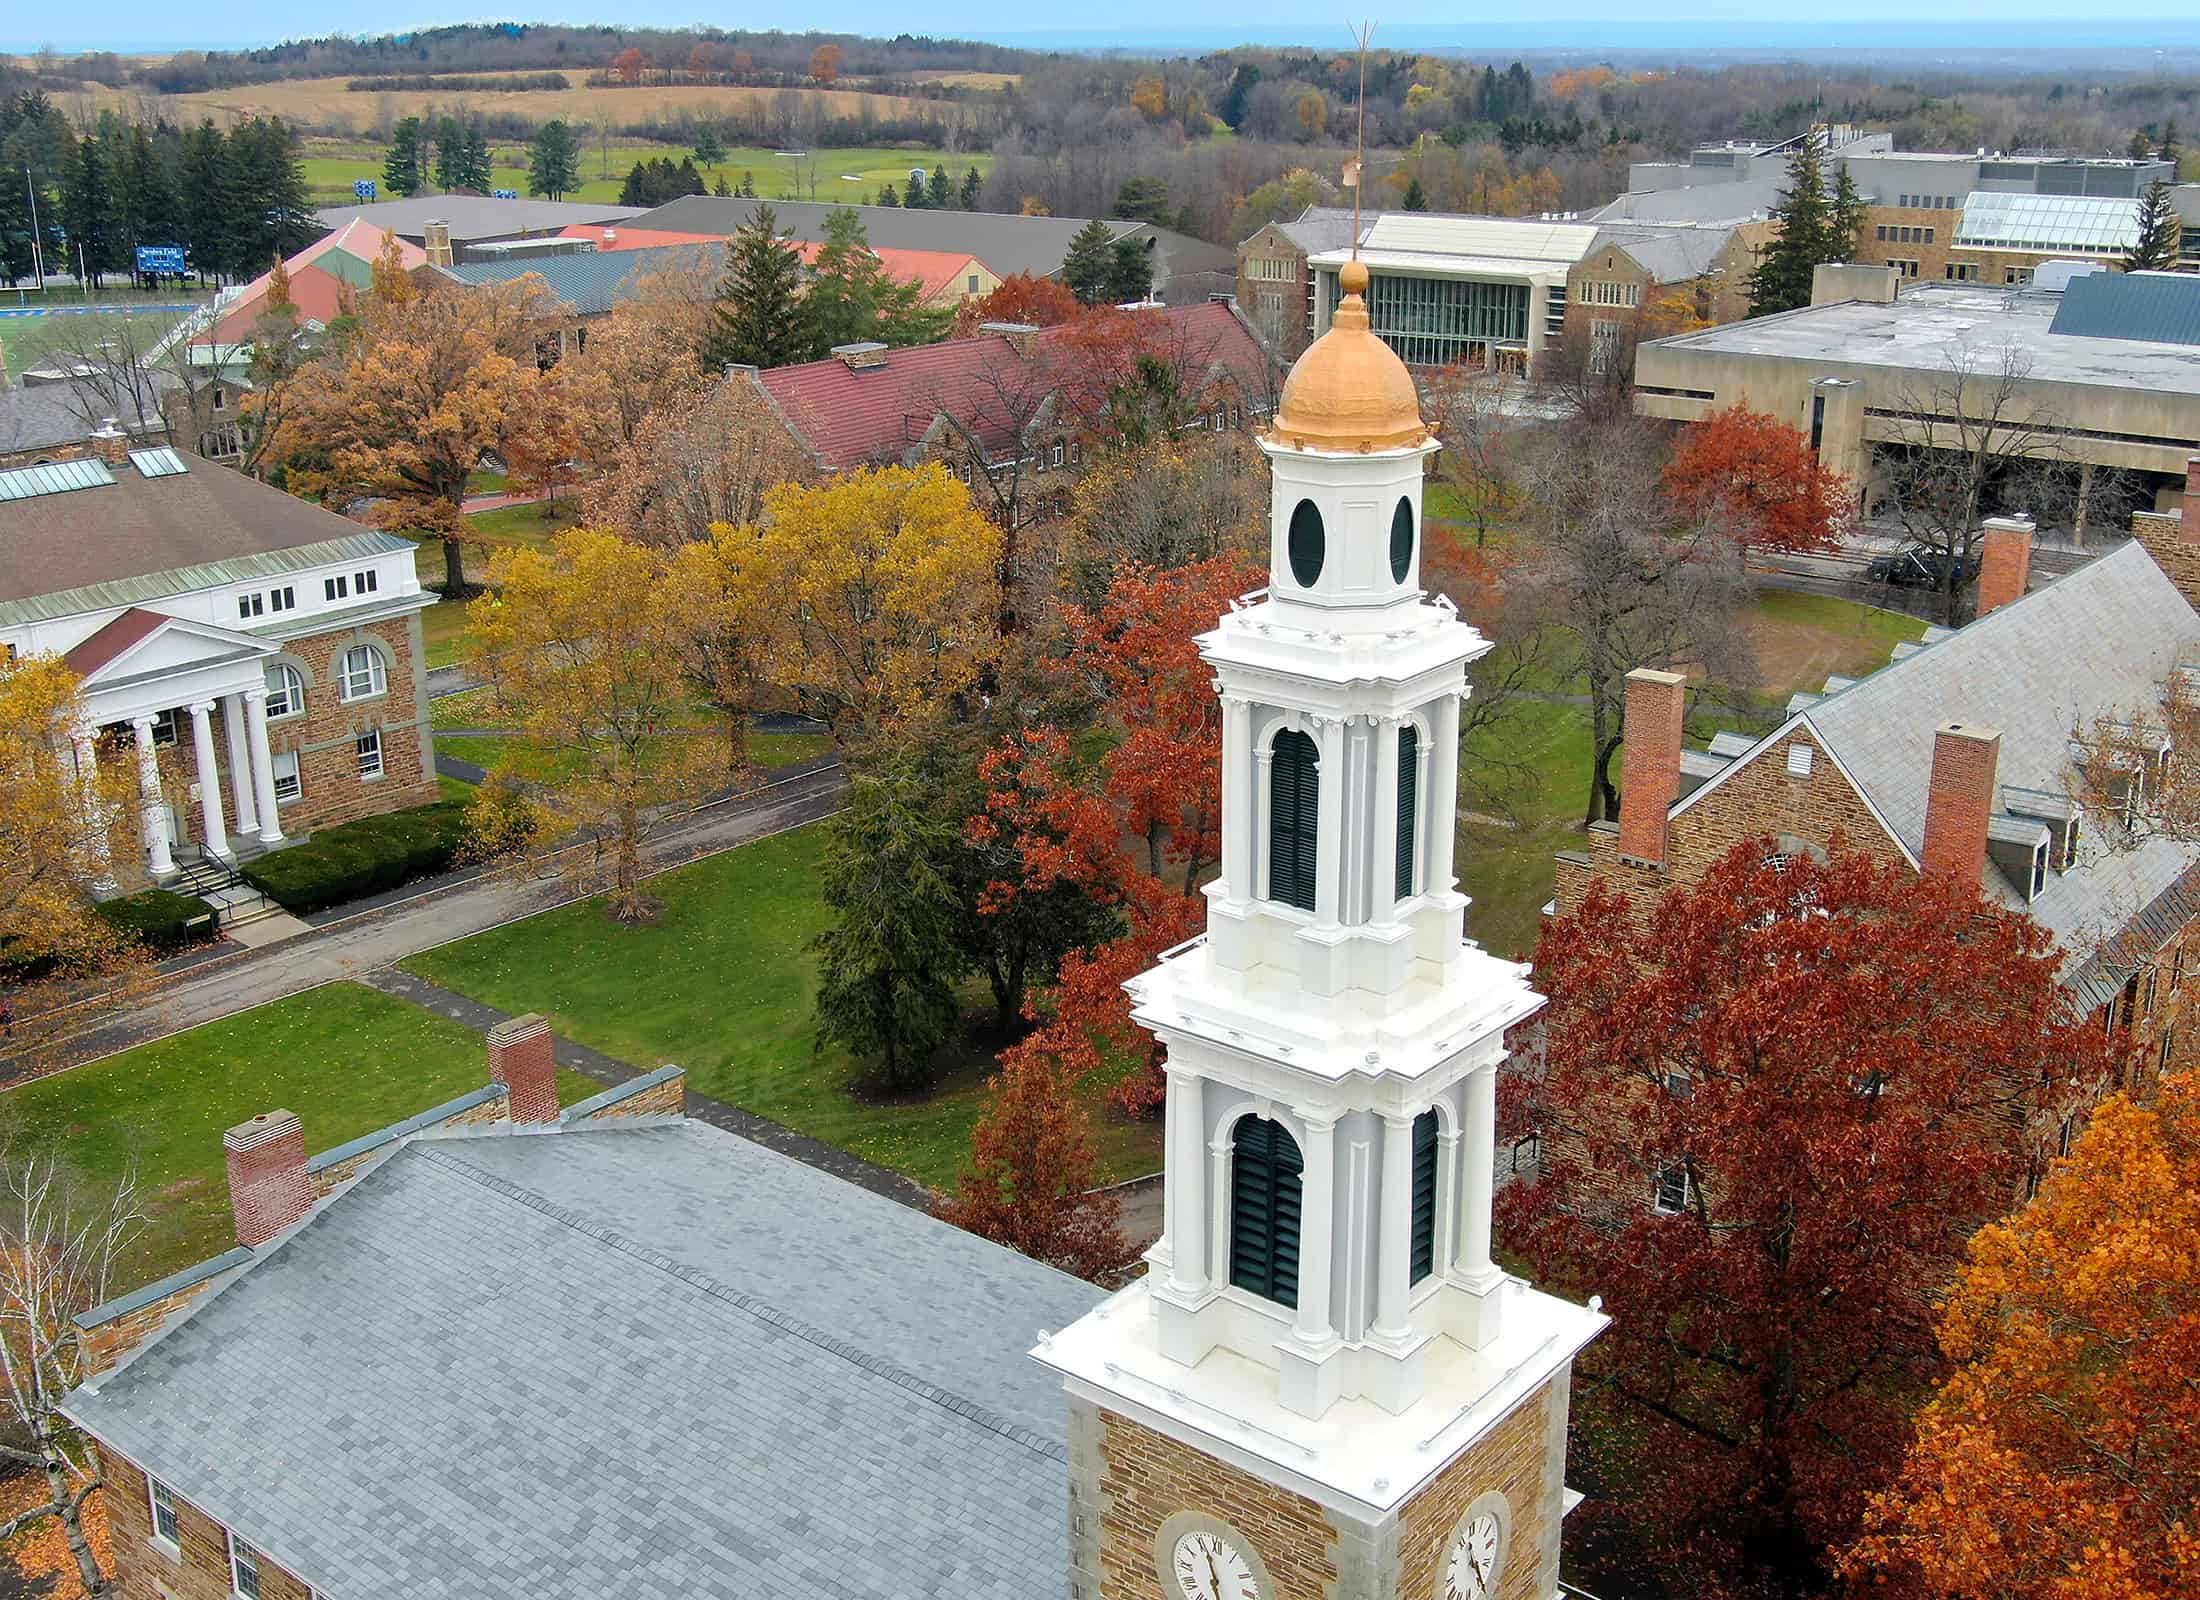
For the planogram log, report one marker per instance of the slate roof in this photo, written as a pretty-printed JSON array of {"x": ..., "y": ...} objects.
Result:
[
  {"x": 851, "y": 418},
  {"x": 1674, "y": 254},
  {"x": 593, "y": 281},
  {"x": 653, "y": 1361},
  {"x": 1320, "y": 228},
  {"x": 45, "y": 416},
  {"x": 474, "y": 216}
]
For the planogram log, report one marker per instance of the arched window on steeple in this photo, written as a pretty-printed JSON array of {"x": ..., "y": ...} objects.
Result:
[
  {"x": 1294, "y": 819},
  {"x": 1409, "y": 807},
  {"x": 1423, "y": 1258},
  {"x": 1264, "y": 1210}
]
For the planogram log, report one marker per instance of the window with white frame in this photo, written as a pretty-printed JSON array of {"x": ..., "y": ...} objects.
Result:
[
  {"x": 164, "y": 1512},
  {"x": 1058, "y": 454},
  {"x": 335, "y": 588},
  {"x": 286, "y": 691},
  {"x": 365, "y": 582},
  {"x": 287, "y": 785},
  {"x": 370, "y": 754},
  {"x": 244, "y": 1569},
  {"x": 364, "y": 676},
  {"x": 164, "y": 727},
  {"x": 283, "y": 599},
  {"x": 1674, "y": 1189},
  {"x": 250, "y": 605},
  {"x": 1605, "y": 292}
]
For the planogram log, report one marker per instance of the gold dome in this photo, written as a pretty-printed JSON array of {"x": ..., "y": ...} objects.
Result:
[{"x": 1349, "y": 391}]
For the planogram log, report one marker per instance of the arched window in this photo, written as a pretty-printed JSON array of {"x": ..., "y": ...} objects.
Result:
[
  {"x": 363, "y": 676},
  {"x": 1409, "y": 806},
  {"x": 286, "y": 691},
  {"x": 1294, "y": 819},
  {"x": 1264, "y": 1210},
  {"x": 1424, "y": 1196}
]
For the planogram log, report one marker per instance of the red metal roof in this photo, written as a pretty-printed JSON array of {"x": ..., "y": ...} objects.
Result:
[
  {"x": 112, "y": 639},
  {"x": 932, "y": 270},
  {"x": 851, "y": 418},
  {"x": 618, "y": 236}
]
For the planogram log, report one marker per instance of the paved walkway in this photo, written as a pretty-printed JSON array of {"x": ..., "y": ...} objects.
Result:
[
  {"x": 609, "y": 1070},
  {"x": 355, "y": 946}
]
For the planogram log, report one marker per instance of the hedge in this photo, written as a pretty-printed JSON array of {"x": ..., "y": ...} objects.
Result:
[
  {"x": 160, "y": 918},
  {"x": 356, "y": 859}
]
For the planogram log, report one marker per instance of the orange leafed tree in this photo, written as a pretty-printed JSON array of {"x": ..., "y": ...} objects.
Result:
[
  {"x": 825, "y": 62},
  {"x": 630, "y": 64},
  {"x": 1023, "y": 297},
  {"x": 1762, "y": 474},
  {"x": 1032, "y": 1167},
  {"x": 2061, "y": 1460}
]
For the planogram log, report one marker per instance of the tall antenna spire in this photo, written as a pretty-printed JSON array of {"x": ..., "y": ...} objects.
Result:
[{"x": 1364, "y": 32}]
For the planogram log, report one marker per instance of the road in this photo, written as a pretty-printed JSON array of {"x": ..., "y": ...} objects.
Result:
[{"x": 1841, "y": 573}]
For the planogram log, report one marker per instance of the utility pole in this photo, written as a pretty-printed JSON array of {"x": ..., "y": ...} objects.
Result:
[{"x": 38, "y": 251}]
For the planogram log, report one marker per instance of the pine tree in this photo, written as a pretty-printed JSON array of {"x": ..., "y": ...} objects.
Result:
[
  {"x": 1089, "y": 261},
  {"x": 87, "y": 207},
  {"x": 938, "y": 192},
  {"x": 852, "y": 296},
  {"x": 759, "y": 319},
  {"x": 1782, "y": 279},
  {"x": 915, "y": 196},
  {"x": 401, "y": 163},
  {"x": 1416, "y": 197},
  {"x": 972, "y": 187},
  {"x": 202, "y": 191},
  {"x": 722, "y": 189},
  {"x": 2161, "y": 232},
  {"x": 2171, "y": 149},
  {"x": 1130, "y": 270},
  {"x": 887, "y": 196},
  {"x": 553, "y": 167},
  {"x": 1845, "y": 219},
  {"x": 748, "y": 186},
  {"x": 709, "y": 148}
]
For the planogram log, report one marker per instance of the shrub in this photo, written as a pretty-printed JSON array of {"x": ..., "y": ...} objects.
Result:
[
  {"x": 160, "y": 918},
  {"x": 360, "y": 858}
]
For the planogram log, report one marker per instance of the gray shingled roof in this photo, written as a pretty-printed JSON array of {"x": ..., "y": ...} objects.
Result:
[
  {"x": 645, "y": 1361},
  {"x": 44, "y": 416},
  {"x": 593, "y": 281},
  {"x": 1669, "y": 254},
  {"x": 474, "y": 216},
  {"x": 1320, "y": 228}
]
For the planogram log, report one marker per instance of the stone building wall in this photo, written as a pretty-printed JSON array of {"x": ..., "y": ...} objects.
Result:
[{"x": 197, "y": 1569}]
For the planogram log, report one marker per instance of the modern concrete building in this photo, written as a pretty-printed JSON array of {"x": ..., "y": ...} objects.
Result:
[{"x": 2109, "y": 366}]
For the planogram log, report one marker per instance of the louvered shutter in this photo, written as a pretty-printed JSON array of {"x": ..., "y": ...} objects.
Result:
[
  {"x": 1264, "y": 1210},
  {"x": 1409, "y": 805},
  {"x": 1424, "y": 1196},
  {"x": 1294, "y": 787}
]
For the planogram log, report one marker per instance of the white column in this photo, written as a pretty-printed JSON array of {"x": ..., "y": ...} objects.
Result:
[
  {"x": 1448, "y": 1180},
  {"x": 1383, "y": 907},
  {"x": 1317, "y": 1214},
  {"x": 1187, "y": 1207},
  {"x": 98, "y": 859},
  {"x": 1237, "y": 793},
  {"x": 149, "y": 800},
  {"x": 1329, "y": 834},
  {"x": 1478, "y": 1176},
  {"x": 1442, "y": 820},
  {"x": 263, "y": 765},
  {"x": 1263, "y": 775},
  {"x": 1394, "y": 1248},
  {"x": 240, "y": 763},
  {"x": 214, "y": 833}
]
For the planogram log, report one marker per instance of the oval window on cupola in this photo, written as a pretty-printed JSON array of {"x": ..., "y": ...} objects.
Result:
[
  {"x": 1305, "y": 547},
  {"x": 1401, "y": 540}
]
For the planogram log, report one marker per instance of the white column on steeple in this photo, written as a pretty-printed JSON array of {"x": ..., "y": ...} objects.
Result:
[
  {"x": 1442, "y": 821},
  {"x": 1329, "y": 836},
  {"x": 1477, "y": 1189},
  {"x": 1237, "y": 795},
  {"x": 1187, "y": 1214},
  {"x": 1383, "y": 908},
  {"x": 1317, "y": 1210},
  {"x": 1264, "y": 760},
  {"x": 1394, "y": 1252}
]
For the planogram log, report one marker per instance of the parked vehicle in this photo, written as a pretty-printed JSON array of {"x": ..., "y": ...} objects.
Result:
[{"x": 1919, "y": 567}]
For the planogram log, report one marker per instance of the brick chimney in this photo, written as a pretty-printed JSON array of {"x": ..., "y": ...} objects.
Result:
[
  {"x": 268, "y": 1186},
  {"x": 523, "y": 1057},
  {"x": 1650, "y": 762},
  {"x": 1959, "y": 799},
  {"x": 2005, "y": 561},
  {"x": 435, "y": 238},
  {"x": 1020, "y": 335},
  {"x": 110, "y": 443},
  {"x": 865, "y": 355}
]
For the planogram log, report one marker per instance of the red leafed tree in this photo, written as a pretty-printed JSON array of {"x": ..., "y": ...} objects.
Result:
[
  {"x": 2061, "y": 1460},
  {"x": 1773, "y": 1106},
  {"x": 630, "y": 64},
  {"x": 1762, "y": 474},
  {"x": 1030, "y": 1179},
  {"x": 825, "y": 62},
  {"x": 1024, "y": 297}
]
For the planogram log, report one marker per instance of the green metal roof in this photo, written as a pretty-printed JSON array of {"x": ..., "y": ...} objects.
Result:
[
  {"x": 55, "y": 477},
  {"x": 2157, "y": 307},
  {"x": 209, "y": 575}
]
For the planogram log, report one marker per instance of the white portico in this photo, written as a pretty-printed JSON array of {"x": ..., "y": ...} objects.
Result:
[{"x": 1322, "y": 1311}]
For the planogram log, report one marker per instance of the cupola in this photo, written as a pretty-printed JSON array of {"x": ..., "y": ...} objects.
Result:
[{"x": 1349, "y": 392}]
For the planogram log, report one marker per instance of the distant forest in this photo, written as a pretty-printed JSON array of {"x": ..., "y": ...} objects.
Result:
[{"x": 1214, "y": 145}]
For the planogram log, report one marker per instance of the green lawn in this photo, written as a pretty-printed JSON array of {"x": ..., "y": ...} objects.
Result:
[
  {"x": 851, "y": 176},
  {"x": 723, "y": 984},
  {"x": 443, "y": 630},
  {"x": 26, "y": 341},
  {"x": 345, "y": 1058}
]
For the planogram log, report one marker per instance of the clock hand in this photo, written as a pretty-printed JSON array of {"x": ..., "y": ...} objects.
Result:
[{"x": 1214, "y": 1575}]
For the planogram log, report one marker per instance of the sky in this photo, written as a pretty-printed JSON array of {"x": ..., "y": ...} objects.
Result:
[{"x": 136, "y": 25}]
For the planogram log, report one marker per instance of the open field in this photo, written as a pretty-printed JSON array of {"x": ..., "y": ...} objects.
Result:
[
  {"x": 722, "y": 983},
  {"x": 27, "y": 340},
  {"x": 345, "y": 1058}
]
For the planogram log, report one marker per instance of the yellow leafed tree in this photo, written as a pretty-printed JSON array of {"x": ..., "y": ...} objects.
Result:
[
  {"x": 584, "y": 654},
  {"x": 870, "y": 598}
]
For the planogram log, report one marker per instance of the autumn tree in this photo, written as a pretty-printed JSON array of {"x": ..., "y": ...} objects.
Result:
[
  {"x": 584, "y": 658},
  {"x": 1029, "y": 1182},
  {"x": 701, "y": 457},
  {"x": 870, "y": 596},
  {"x": 825, "y": 62},
  {"x": 403, "y": 410},
  {"x": 1023, "y": 297},
  {"x": 2060, "y": 1459},
  {"x": 641, "y": 365},
  {"x": 1471, "y": 413},
  {"x": 1191, "y": 498},
  {"x": 1760, "y": 475},
  {"x": 630, "y": 64},
  {"x": 60, "y": 1243},
  {"x": 1773, "y": 1105}
]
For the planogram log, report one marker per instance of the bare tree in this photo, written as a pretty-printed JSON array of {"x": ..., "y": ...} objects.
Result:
[
  {"x": 59, "y": 1245},
  {"x": 703, "y": 458},
  {"x": 1185, "y": 500},
  {"x": 1629, "y": 579},
  {"x": 1475, "y": 415},
  {"x": 1967, "y": 437}
]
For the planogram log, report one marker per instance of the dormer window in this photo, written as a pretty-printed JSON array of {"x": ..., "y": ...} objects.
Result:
[{"x": 2039, "y": 873}]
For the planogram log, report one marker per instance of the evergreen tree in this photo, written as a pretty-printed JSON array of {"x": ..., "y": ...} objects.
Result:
[
  {"x": 453, "y": 162},
  {"x": 553, "y": 166},
  {"x": 1845, "y": 218},
  {"x": 2161, "y": 232},
  {"x": 888, "y": 196},
  {"x": 1232, "y": 108},
  {"x": 401, "y": 162},
  {"x": 1416, "y": 197},
  {"x": 748, "y": 186},
  {"x": 938, "y": 192},
  {"x": 1130, "y": 270},
  {"x": 635, "y": 191},
  {"x": 852, "y": 296},
  {"x": 2171, "y": 149},
  {"x": 87, "y": 207},
  {"x": 1090, "y": 259},
  {"x": 274, "y": 210},
  {"x": 721, "y": 188},
  {"x": 2140, "y": 147},
  {"x": 972, "y": 187},
  {"x": 1804, "y": 237},
  {"x": 203, "y": 192},
  {"x": 759, "y": 318},
  {"x": 709, "y": 148},
  {"x": 477, "y": 158},
  {"x": 915, "y": 196}
]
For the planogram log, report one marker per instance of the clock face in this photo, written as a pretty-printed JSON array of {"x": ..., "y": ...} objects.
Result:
[
  {"x": 1210, "y": 1566},
  {"x": 1472, "y": 1560}
]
